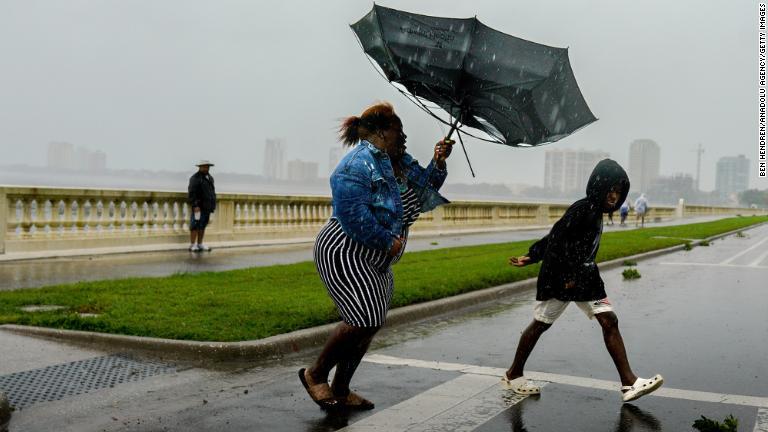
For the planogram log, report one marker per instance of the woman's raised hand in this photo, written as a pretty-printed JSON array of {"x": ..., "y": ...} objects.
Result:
[{"x": 443, "y": 150}]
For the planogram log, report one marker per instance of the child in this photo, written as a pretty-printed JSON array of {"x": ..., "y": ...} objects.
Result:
[{"x": 569, "y": 274}]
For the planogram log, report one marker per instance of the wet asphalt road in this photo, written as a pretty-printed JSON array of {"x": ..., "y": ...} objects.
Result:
[
  {"x": 36, "y": 273},
  {"x": 28, "y": 274},
  {"x": 698, "y": 317}
]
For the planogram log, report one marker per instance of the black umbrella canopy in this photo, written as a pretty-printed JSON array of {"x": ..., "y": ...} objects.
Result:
[{"x": 518, "y": 92}]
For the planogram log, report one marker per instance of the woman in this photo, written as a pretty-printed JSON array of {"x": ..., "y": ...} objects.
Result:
[{"x": 378, "y": 191}]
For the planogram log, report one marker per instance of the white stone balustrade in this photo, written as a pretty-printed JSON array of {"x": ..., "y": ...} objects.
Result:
[{"x": 56, "y": 219}]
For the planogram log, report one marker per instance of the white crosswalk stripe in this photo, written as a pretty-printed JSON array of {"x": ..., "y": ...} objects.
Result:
[
  {"x": 745, "y": 251},
  {"x": 696, "y": 264},
  {"x": 761, "y": 425},
  {"x": 759, "y": 260},
  {"x": 459, "y": 405},
  {"x": 693, "y": 395}
]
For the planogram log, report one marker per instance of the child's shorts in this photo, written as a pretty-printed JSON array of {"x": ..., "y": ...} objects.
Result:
[{"x": 548, "y": 311}]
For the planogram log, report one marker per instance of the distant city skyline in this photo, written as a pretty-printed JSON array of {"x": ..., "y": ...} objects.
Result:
[
  {"x": 301, "y": 171},
  {"x": 567, "y": 170},
  {"x": 732, "y": 175},
  {"x": 65, "y": 155},
  {"x": 160, "y": 85}
]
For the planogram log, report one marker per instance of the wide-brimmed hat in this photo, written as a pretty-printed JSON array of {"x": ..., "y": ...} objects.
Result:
[{"x": 204, "y": 162}]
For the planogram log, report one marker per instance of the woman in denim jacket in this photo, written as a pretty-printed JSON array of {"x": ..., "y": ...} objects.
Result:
[{"x": 378, "y": 191}]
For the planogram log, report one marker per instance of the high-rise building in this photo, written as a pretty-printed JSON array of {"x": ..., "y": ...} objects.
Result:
[
  {"x": 334, "y": 157},
  {"x": 644, "y": 162},
  {"x": 301, "y": 171},
  {"x": 274, "y": 159},
  {"x": 732, "y": 175},
  {"x": 89, "y": 160},
  {"x": 97, "y": 161},
  {"x": 669, "y": 189},
  {"x": 61, "y": 155},
  {"x": 567, "y": 170}
]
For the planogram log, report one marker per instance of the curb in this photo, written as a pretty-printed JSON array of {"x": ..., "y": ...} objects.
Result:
[
  {"x": 273, "y": 346},
  {"x": 293, "y": 342}
]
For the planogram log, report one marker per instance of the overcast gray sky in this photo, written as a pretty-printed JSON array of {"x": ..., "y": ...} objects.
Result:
[{"x": 158, "y": 84}]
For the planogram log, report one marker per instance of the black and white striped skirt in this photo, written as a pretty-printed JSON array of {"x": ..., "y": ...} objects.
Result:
[{"x": 359, "y": 279}]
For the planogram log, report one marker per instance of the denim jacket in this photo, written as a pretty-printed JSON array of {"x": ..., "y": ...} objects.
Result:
[{"x": 366, "y": 196}]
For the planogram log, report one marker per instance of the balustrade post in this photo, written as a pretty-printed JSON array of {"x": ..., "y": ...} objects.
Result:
[
  {"x": 437, "y": 216},
  {"x": 542, "y": 214},
  {"x": 224, "y": 216},
  {"x": 79, "y": 216},
  {"x": 680, "y": 210}
]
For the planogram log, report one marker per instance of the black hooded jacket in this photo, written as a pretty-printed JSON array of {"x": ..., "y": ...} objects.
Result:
[
  {"x": 568, "y": 251},
  {"x": 201, "y": 192}
]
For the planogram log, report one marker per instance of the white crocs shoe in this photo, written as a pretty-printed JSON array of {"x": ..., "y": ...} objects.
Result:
[
  {"x": 641, "y": 387},
  {"x": 520, "y": 386}
]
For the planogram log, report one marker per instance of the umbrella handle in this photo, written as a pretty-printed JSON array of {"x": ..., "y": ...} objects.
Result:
[
  {"x": 465, "y": 153},
  {"x": 454, "y": 128}
]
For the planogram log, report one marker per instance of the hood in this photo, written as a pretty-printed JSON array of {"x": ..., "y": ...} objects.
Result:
[{"x": 607, "y": 173}]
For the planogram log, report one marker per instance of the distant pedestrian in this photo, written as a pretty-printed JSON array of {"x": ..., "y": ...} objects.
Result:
[
  {"x": 610, "y": 218},
  {"x": 624, "y": 212},
  {"x": 378, "y": 191},
  {"x": 641, "y": 209},
  {"x": 202, "y": 198},
  {"x": 569, "y": 274}
]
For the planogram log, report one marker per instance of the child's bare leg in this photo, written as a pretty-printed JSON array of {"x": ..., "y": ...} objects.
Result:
[
  {"x": 615, "y": 345},
  {"x": 525, "y": 346}
]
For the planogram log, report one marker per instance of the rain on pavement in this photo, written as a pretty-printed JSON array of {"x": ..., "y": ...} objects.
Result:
[{"x": 692, "y": 316}]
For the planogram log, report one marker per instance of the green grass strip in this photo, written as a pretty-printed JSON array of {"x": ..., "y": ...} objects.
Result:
[{"x": 258, "y": 302}]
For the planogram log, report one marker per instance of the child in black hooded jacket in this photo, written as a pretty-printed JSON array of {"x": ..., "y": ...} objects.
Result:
[{"x": 569, "y": 274}]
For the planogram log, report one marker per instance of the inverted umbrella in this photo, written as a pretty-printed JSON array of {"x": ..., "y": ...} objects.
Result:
[{"x": 517, "y": 92}]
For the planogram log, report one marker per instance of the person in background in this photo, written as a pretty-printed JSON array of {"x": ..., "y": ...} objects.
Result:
[
  {"x": 641, "y": 209},
  {"x": 624, "y": 212},
  {"x": 201, "y": 196}
]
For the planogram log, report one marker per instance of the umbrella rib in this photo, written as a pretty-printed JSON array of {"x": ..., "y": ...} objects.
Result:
[
  {"x": 377, "y": 69},
  {"x": 458, "y": 133},
  {"x": 415, "y": 99},
  {"x": 386, "y": 45},
  {"x": 469, "y": 48}
]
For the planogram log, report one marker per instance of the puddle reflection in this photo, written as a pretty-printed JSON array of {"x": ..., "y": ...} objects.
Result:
[{"x": 631, "y": 419}]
